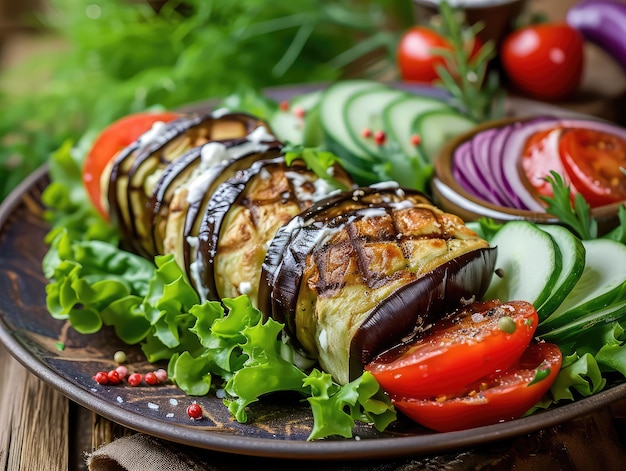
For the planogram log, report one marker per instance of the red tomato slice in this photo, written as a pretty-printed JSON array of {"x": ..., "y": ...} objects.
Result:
[
  {"x": 593, "y": 160},
  {"x": 540, "y": 156},
  {"x": 463, "y": 347},
  {"x": 113, "y": 139},
  {"x": 497, "y": 398}
]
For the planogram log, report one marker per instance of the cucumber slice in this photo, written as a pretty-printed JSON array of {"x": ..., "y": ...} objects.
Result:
[
  {"x": 572, "y": 265},
  {"x": 584, "y": 324},
  {"x": 400, "y": 114},
  {"x": 289, "y": 125},
  {"x": 528, "y": 261},
  {"x": 437, "y": 127},
  {"x": 602, "y": 284},
  {"x": 364, "y": 111},
  {"x": 332, "y": 105}
]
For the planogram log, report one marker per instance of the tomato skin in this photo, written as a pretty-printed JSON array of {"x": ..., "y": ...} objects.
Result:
[
  {"x": 458, "y": 350},
  {"x": 544, "y": 60},
  {"x": 109, "y": 142},
  {"x": 593, "y": 159},
  {"x": 501, "y": 397},
  {"x": 416, "y": 60},
  {"x": 415, "y": 57},
  {"x": 540, "y": 156}
]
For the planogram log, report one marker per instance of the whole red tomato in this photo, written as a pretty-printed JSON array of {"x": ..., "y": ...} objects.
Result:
[
  {"x": 544, "y": 60},
  {"x": 416, "y": 60}
]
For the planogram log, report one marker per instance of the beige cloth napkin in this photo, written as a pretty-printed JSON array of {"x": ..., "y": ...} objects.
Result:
[{"x": 141, "y": 452}]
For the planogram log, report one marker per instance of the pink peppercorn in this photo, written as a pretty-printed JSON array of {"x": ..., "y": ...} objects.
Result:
[
  {"x": 194, "y": 411},
  {"x": 101, "y": 377},
  {"x": 151, "y": 378},
  {"x": 135, "y": 379}
]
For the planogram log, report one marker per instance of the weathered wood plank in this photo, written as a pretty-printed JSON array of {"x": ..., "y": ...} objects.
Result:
[{"x": 34, "y": 420}]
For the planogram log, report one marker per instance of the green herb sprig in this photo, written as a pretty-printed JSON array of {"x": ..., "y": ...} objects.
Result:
[
  {"x": 475, "y": 88},
  {"x": 119, "y": 57}
]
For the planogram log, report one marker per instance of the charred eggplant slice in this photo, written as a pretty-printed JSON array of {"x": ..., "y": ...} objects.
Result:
[
  {"x": 342, "y": 264},
  {"x": 183, "y": 217},
  {"x": 242, "y": 217},
  {"x": 194, "y": 175},
  {"x": 132, "y": 187}
]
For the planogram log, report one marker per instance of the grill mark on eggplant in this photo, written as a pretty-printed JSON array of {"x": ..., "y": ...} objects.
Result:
[
  {"x": 225, "y": 197},
  {"x": 283, "y": 267}
]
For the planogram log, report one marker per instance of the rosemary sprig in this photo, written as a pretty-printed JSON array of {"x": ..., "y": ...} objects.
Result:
[
  {"x": 576, "y": 215},
  {"x": 476, "y": 89}
]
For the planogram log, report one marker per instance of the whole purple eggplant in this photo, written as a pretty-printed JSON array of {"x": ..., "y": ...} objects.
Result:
[{"x": 602, "y": 22}]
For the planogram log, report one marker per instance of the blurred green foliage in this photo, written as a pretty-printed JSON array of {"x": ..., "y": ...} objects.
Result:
[{"x": 124, "y": 56}]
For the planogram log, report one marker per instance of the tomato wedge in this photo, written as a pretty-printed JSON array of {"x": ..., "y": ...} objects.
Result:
[
  {"x": 497, "y": 398},
  {"x": 594, "y": 161},
  {"x": 463, "y": 347},
  {"x": 111, "y": 140}
]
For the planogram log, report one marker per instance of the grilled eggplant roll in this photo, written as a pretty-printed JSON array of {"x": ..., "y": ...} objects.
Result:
[
  {"x": 358, "y": 272},
  {"x": 350, "y": 273}
]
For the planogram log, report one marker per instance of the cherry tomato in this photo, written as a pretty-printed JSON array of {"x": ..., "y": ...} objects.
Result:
[
  {"x": 496, "y": 398},
  {"x": 417, "y": 61},
  {"x": 463, "y": 347},
  {"x": 544, "y": 60},
  {"x": 594, "y": 161},
  {"x": 113, "y": 139}
]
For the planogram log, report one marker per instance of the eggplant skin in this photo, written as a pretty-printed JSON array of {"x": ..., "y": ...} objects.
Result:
[
  {"x": 413, "y": 308},
  {"x": 360, "y": 263}
]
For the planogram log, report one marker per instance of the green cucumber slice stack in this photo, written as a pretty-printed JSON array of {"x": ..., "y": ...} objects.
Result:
[
  {"x": 344, "y": 117},
  {"x": 575, "y": 285}
]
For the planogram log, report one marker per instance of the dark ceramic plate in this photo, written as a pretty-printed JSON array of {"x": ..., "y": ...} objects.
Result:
[{"x": 277, "y": 426}]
